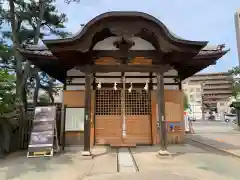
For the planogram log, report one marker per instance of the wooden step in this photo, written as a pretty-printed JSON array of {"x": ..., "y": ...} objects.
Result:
[{"x": 122, "y": 145}]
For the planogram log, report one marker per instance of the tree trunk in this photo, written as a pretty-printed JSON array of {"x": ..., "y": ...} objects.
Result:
[
  {"x": 36, "y": 39},
  {"x": 25, "y": 103},
  {"x": 17, "y": 55},
  {"x": 37, "y": 87}
]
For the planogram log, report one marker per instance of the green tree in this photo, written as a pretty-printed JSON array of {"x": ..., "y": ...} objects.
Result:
[
  {"x": 44, "y": 99},
  {"x": 30, "y": 21},
  {"x": 235, "y": 72},
  {"x": 186, "y": 104},
  {"x": 7, "y": 95}
]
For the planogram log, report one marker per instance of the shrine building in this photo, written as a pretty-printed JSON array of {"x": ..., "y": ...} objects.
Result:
[{"x": 122, "y": 74}]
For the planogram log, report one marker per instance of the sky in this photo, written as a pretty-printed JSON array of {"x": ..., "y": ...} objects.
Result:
[{"x": 203, "y": 20}]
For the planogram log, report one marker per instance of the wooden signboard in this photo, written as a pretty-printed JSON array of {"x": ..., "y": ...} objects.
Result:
[{"x": 43, "y": 135}]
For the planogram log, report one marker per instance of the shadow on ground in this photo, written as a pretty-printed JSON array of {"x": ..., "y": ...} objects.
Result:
[{"x": 17, "y": 164}]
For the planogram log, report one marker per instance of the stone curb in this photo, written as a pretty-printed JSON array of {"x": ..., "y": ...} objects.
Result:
[{"x": 214, "y": 147}]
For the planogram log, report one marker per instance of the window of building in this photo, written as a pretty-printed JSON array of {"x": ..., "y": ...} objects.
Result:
[
  {"x": 191, "y": 98},
  {"x": 198, "y": 96},
  {"x": 222, "y": 104}
]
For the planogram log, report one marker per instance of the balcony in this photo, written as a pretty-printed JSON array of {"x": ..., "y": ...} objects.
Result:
[
  {"x": 217, "y": 91},
  {"x": 216, "y": 87},
  {"x": 210, "y": 77}
]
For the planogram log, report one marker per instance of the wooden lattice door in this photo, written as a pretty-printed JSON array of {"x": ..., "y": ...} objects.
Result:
[
  {"x": 138, "y": 121},
  {"x": 108, "y": 122},
  {"x": 110, "y": 119}
]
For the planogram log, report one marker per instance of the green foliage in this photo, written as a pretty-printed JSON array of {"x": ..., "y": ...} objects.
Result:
[
  {"x": 44, "y": 99},
  {"x": 186, "y": 104},
  {"x": 6, "y": 57},
  {"x": 235, "y": 71},
  {"x": 30, "y": 16},
  {"x": 235, "y": 90},
  {"x": 7, "y": 95},
  {"x": 28, "y": 13}
]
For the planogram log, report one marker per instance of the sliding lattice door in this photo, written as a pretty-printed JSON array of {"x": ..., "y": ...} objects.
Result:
[{"x": 109, "y": 116}]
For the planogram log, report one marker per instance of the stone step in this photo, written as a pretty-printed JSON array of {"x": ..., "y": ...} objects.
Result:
[{"x": 117, "y": 145}]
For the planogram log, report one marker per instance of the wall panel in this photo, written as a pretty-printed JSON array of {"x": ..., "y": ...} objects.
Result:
[
  {"x": 74, "y": 98},
  {"x": 174, "y": 113}
]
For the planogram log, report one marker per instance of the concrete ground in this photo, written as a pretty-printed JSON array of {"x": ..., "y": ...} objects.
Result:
[
  {"x": 189, "y": 162},
  {"x": 217, "y": 134},
  {"x": 204, "y": 126},
  {"x": 69, "y": 165}
]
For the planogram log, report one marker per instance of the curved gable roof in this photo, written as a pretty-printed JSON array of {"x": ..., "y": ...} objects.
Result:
[{"x": 124, "y": 14}]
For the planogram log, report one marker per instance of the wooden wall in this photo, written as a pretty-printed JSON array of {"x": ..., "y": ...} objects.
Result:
[
  {"x": 74, "y": 98},
  {"x": 174, "y": 113}
]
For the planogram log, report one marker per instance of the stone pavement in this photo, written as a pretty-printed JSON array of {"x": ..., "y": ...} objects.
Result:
[
  {"x": 180, "y": 174},
  {"x": 69, "y": 165},
  {"x": 188, "y": 163},
  {"x": 178, "y": 167},
  {"x": 228, "y": 143}
]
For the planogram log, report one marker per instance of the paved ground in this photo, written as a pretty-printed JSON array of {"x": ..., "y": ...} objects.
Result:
[
  {"x": 203, "y": 127},
  {"x": 192, "y": 161},
  {"x": 220, "y": 135},
  {"x": 189, "y": 162},
  {"x": 70, "y": 165}
]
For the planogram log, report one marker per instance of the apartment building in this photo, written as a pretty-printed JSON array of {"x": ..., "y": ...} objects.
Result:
[
  {"x": 194, "y": 95},
  {"x": 215, "y": 87}
]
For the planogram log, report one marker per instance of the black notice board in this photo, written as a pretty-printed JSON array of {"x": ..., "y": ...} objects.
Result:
[{"x": 43, "y": 129}]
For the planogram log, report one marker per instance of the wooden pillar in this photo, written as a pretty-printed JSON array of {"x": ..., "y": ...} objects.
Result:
[
  {"x": 63, "y": 117},
  {"x": 87, "y": 114},
  {"x": 180, "y": 85},
  {"x": 123, "y": 80},
  {"x": 161, "y": 111}
]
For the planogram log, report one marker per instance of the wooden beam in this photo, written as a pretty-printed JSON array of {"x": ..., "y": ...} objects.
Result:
[
  {"x": 134, "y": 84},
  {"x": 152, "y": 54},
  {"x": 135, "y": 77},
  {"x": 124, "y": 68}
]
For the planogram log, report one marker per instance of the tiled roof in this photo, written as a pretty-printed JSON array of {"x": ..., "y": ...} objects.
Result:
[
  {"x": 42, "y": 50},
  {"x": 212, "y": 49},
  {"x": 37, "y": 51}
]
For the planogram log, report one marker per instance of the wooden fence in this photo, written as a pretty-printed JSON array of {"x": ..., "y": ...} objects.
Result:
[{"x": 21, "y": 135}]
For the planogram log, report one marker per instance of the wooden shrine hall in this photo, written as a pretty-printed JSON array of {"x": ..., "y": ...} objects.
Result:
[{"x": 122, "y": 78}]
